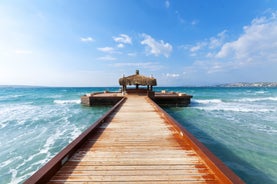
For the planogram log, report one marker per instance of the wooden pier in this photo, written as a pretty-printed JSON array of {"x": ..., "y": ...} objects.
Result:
[
  {"x": 163, "y": 98},
  {"x": 135, "y": 142}
]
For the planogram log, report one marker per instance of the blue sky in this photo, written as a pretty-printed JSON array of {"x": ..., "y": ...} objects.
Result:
[{"x": 179, "y": 42}]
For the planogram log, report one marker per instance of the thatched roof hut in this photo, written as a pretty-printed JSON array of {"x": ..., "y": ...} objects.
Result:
[{"x": 137, "y": 80}]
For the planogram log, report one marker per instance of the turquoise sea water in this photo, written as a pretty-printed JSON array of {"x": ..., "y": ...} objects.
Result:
[{"x": 239, "y": 125}]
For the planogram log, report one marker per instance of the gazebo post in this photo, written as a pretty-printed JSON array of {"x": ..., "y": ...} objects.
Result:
[{"x": 123, "y": 85}]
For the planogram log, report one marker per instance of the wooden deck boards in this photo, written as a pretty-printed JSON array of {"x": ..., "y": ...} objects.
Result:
[{"x": 136, "y": 146}]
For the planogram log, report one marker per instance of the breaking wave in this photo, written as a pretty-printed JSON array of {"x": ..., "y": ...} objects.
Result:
[
  {"x": 234, "y": 106},
  {"x": 209, "y": 101},
  {"x": 67, "y": 101},
  {"x": 257, "y": 99}
]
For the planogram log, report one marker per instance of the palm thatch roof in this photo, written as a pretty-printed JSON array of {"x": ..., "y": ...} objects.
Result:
[{"x": 137, "y": 79}]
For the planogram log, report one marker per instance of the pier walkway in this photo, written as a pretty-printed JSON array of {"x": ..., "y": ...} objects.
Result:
[{"x": 137, "y": 145}]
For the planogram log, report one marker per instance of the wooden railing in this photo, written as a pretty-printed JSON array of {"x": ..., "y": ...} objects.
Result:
[
  {"x": 45, "y": 173},
  {"x": 224, "y": 173}
]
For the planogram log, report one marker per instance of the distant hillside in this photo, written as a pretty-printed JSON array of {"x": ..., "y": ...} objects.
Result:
[{"x": 253, "y": 84}]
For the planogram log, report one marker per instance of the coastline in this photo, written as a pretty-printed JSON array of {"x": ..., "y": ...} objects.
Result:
[{"x": 236, "y": 84}]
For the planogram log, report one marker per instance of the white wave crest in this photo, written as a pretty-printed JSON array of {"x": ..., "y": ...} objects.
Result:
[
  {"x": 260, "y": 92},
  {"x": 67, "y": 101},
  {"x": 209, "y": 101},
  {"x": 235, "y": 108},
  {"x": 257, "y": 99},
  {"x": 9, "y": 97}
]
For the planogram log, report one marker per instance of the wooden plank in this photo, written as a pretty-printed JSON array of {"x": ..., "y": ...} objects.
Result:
[
  {"x": 133, "y": 172},
  {"x": 139, "y": 182},
  {"x": 136, "y": 145},
  {"x": 131, "y": 178},
  {"x": 136, "y": 182},
  {"x": 146, "y": 168}
]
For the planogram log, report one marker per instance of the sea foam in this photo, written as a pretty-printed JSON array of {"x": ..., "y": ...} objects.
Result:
[
  {"x": 256, "y": 99},
  {"x": 209, "y": 101},
  {"x": 67, "y": 101},
  {"x": 234, "y": 106}
]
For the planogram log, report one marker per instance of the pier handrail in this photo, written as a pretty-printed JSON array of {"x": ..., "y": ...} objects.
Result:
[
  {"x": 220, "y": 169},
  {"x": 50, "y": 168}
]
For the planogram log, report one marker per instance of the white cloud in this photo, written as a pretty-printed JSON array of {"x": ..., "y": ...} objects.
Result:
[
  {"x": 198, "y": 46},
  {"x": 156, "y": 47},
  {"x": 173, "y": 75},
  {"x": 121, "y": 45},
  {"x": 107, "y": 58},
  {"x": 209, "y": 44},
  {"x": 123, "y": 38},
  {"x": 217, "y": 41},
  {"x": 257, "y": 43},
  {"x": 87, "y": 39},
  {"x": 106, "y": 49},
  {"x": 167, "y": 4},
  {"x": 250, "y": 57}
]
